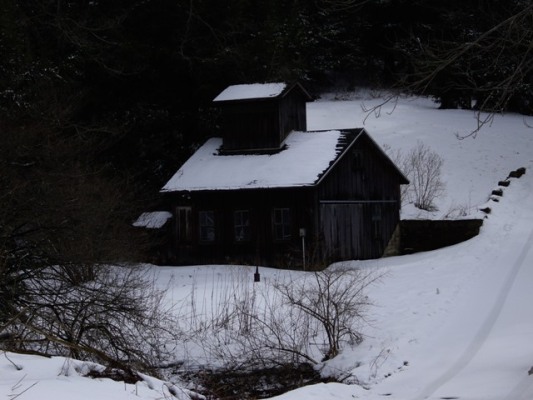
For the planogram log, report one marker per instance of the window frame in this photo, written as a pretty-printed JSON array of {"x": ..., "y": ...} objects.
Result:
[
  {"x": 241, "y": 226},
  {"x": 207, "y": 232},
  {"x": 281, "y": 227}
]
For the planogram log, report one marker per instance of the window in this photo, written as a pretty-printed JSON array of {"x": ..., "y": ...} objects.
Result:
[
  {"x": 281, "y": 223},
  {"x": 207, "y": 226},
  {"x": 241, "y": 223}
]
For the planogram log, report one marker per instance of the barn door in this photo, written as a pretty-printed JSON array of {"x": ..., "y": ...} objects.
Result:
[
  {"x": 341, "y": 228},
  {"x": 184, "y": 225}
]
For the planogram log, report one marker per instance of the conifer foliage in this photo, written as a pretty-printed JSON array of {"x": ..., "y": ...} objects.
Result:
[{"x": 100, "y": 102}]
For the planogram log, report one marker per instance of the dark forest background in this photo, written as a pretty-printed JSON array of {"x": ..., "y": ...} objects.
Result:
[{"x": 101, "y": 101}]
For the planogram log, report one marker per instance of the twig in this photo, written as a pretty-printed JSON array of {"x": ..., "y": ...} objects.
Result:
[
  {"x": 14, "y": 396},
  {"x": 17, "y": 367}
]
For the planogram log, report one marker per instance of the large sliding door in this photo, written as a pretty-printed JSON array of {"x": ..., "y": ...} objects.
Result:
[{"x": 342, "y": 228}]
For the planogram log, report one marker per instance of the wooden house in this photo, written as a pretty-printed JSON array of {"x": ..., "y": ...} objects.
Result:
[{"x": 268, "y": 191}]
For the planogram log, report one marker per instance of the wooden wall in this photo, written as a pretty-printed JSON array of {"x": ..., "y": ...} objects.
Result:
[
  {"x": 262, "y": 246},
  {"x": 357, "y": 230},
  {"x": 292, "y": 113},
  {"x": 359, "y": 204},
  {"x": 263, "y": 123},
  {"x": 362, "y": 174},
  {"x": 250, "y": 125}
]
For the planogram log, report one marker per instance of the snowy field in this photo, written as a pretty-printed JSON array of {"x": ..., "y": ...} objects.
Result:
[{"x": 455, "y": 323}]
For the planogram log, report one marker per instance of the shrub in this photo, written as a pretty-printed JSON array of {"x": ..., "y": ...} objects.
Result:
[
  {"x": 422, "y": 166},
  {"x": 307, "y": 319}
]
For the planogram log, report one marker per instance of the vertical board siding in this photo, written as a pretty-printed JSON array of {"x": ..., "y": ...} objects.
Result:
[
  {"x": 263, "y": 123},
  {"x": 363, "y": 179},
  {"x": 348, "y": 230},
  {"x": 262, "y": 246},
  {"x": 250, "y": 125},
  {"x": 362, "y": 174},
  {"x": 342, "y": 228},
  {"x": 292, "y": 114}
]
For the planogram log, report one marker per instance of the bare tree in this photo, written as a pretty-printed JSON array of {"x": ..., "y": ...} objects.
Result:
[
  {"x": 494, "y": 67},
  {"x": 65, "y": 217},
  {"x": 488, "y": 68},
  {"x": 304, "y": 320},
  {"x": 336, "y": 299},
  {"x": 118, "y": 318},
  {"x": 423, "y": 167}
]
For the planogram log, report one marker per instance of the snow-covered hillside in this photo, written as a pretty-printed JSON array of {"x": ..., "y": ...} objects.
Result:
[
  {"x": 455, "y": 323},
  {"x": 472, "y": 165}
]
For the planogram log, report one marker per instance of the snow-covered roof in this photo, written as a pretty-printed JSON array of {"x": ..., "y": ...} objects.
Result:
[
  {"x": 305, "y": 157},
  {"x": 251, "y": 91},
  {"x": 152, "y": 219}
]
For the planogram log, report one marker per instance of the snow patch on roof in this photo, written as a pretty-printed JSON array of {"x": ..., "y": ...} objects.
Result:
[
  {"x": 251, "y": 91},
  {"x": 153, "y": 219},
  {"x": 306, "y": 157}
]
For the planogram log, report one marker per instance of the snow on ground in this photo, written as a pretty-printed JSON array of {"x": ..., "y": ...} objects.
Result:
[
  {"x": 472, "y": 166},
  {"x": 27, "y": 377},
  {"x": 455, "y": 322},
  {"x": 458, "y": 322},
  {"x": 451, "y": 323}
]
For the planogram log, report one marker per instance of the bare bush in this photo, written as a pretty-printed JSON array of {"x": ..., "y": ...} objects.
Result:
[
  {"x": 64, "y": 216},
  {"x": 425, "y": 175},
  {"x": 336, "y": 300},
  {"x": 422, "y": 166},
  {"x": 307, "y": 319},
  {"x": 116, "y": 318}
]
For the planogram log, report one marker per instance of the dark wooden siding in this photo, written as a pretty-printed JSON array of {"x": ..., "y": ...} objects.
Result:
[
  {"x": 292, "y": 113},
  {"x": 359, "y": 204},
  {"x": 357, "y": 230},
  {"x": 252, "y": 125},
  {"x": 264, "y": 123},
  {"x": 362, "y": 174},
  {"x": 262, "y": 246}
]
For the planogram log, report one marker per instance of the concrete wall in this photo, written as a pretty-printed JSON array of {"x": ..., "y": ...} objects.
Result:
[{"x": 424, "y": 235}]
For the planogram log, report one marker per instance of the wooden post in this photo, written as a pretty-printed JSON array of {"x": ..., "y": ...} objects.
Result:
[{"x": 302, "y": 235}]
